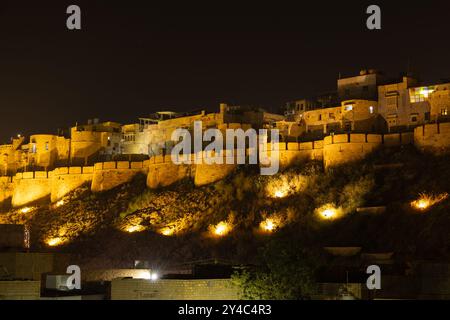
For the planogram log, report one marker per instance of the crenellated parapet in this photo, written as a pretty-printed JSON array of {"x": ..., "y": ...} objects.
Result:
[
  {"x": 433, "y": 138},
  {"x": 161, "y": 171},
  {"x": 108, "y": 175}
]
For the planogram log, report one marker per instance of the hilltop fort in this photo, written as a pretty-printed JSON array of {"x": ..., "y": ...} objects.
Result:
[{"x": 366, "y": 112}]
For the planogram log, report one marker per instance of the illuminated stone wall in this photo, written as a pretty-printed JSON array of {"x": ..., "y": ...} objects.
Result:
[
  {"x": 20, "y": 290},
  {"x": 48, "y": 151},
  {"x": 294, "y": 153},
  {"x": 108, "y": 175},
  {"x": 12, "y": 157},
  {"x": 171, "y": 289},
  {"x": 334, "y": 150},
  {"x": 433, "y": 138},
  {"x": 30, "y": 187},
  {"x": 67, "y": 179},
  {"x": 163, "y": 172},
  {"x": 209, "y": 173},
  {"x": 31, "y": 265},
  {"x": 345, "y": 148},
  {"x": 6, "y": 189}
]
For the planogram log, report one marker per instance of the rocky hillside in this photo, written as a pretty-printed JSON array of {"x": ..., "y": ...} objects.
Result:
[{"x": 231, "y": 219}]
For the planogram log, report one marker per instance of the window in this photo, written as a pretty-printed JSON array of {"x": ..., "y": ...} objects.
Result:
[
  {"x": 320, "y": 117},
  {"x": 414, "y": 119},
  {"x": 444, "y": 112},
  {"x": 371, "y": 110},
  {"x": 349, "y": 107},
  {"x": 420, "y": 94},
  {"x": 331, "y": 115},
  {"x": 391, "y": 93},
  {"x": 33, "y": 148},
  {"x": 46, "y": 146}
]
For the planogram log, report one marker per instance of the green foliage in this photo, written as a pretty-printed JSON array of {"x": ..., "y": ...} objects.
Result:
[{"x": 286, "y": 271}]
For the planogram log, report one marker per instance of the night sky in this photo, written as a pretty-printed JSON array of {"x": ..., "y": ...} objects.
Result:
[{"x": 132, "y": 58}]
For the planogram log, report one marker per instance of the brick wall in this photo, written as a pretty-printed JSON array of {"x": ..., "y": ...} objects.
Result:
[
  {"x": 20, "y": 290},
  {"x": 137, "y": 289}
]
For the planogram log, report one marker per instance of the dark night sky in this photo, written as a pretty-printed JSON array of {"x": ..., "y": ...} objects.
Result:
[{"x": 132, "y": 58}]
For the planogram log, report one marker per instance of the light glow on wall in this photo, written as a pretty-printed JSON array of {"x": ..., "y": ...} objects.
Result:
[
  {"x": 221, "y": 229},
  {"x": 26, "y": 209},
  {"x": 167, "y": 231},
  {"x": 280, "y": 194},
  {"x": 285, "y": 185},
  {"x": 154, "y": 276},
  {"x": 329, "y": 212},
  {"x": 268, "y": 225},
  {"x": 144, "y": 274},
  {"x": 134, "y": 228},
  {"x": 53, "y": 242},
  {"x": 425, "y": 201},
  {"x": 59, "y": 203}
]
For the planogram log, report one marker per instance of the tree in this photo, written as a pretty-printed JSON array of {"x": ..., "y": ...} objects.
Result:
[{"x": 285, "y": 272}]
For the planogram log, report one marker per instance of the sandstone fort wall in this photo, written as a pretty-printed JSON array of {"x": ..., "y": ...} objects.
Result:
[{"x": 334, "y": 150}]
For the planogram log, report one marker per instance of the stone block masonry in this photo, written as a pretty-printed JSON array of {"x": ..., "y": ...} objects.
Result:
[
  {"x": 28, "y": 187},
  {"x": 171, "y": 289},
  {"x": 433, "y": 138},
  {"x": 20, "y": 290},
  {"x": 108, "y": 175},
  {"x": 334, "y": 150}
]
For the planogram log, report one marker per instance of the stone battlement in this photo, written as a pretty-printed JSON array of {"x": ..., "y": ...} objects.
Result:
[
  {"x": 433, "y": 138},
  {"x": 333, "y": 150}
]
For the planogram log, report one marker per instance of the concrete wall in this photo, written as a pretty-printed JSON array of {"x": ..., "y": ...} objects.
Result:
[
  {"x": 433, "y": 138},
  {"x": 20, "y": 290},
  {"x": 137, "y": 289}
]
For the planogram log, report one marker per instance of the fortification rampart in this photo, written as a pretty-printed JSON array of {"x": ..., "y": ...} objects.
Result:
[
  {"x": 346, "y": 148},
  {"x": 108, "y": 175},
  {"x": 67, "y": 179},
  {"x": 433, "y": 138},
  {"x": 30, "y": 187},
  {"x": 334, "y": 150},
  {"x": 6, "y": 189}
]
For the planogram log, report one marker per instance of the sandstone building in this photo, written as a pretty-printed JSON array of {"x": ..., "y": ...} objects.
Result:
[{"x": 367, "y": 112}]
